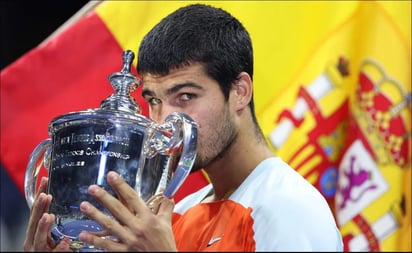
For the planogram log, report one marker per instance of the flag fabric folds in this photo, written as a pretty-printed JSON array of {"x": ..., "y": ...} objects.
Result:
[
  {"x": 343, "y": 119},
  {"x": 332, "y": 92}
]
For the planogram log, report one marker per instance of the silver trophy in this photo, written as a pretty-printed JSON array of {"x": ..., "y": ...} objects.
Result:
[{"x": 155, "y": 159}]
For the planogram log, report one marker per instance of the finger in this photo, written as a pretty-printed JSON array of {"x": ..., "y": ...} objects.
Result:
[
  {"x": 154, "y": 202},
  {"x": 41, "y": 240},
  {"x": 120, "y": 212},
  {"x": 40, "y": 206},
  {"x": 43, "y": 185},
  {"x": 165, "y": 208},
  {"x": 113, "y": 205},
  {"x": 42, "y": 189},
  {"x": 111, "y": 226},
  {"x": 126, "y": 193},
  {"x": 108, "y": 244},
  {"x": 63, "y": 246}
]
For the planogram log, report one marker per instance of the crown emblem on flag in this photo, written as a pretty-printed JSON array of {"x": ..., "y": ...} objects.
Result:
[{"x": 382, "y": 109}]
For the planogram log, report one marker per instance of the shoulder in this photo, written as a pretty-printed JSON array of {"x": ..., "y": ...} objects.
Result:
[
  {"x": 285, "y": 204},
  {"x": 273, "y": 179},
  {"x": 276, "y": 186},
  {"x": 192, "y": 199}
]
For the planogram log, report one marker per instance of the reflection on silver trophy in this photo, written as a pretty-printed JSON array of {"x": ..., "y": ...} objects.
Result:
[{"x": 155, "y": 159}]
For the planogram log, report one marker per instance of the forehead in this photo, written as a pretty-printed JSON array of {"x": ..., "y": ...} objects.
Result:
[{"x": 193, "y": 73}]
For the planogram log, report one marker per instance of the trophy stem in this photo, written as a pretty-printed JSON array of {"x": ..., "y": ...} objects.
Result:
[{"x": 123, "y": 82}]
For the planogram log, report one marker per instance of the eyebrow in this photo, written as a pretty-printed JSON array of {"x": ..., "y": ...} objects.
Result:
[
  {"x": 146, "y": 92},
  {"x": 172, "y": 90}
]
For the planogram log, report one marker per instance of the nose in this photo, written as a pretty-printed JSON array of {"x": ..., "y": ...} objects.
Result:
[{"x": 160, "y": 113}]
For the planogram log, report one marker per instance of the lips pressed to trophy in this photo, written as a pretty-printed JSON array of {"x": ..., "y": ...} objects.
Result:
[{"x": 155, "y": 159}]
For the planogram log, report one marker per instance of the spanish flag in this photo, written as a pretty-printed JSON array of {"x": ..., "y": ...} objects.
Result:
[
  {"x": 332, "y": 92},
  {"x": 341, "y": 115}
]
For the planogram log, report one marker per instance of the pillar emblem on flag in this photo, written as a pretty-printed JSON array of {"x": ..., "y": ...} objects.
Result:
[{"x": 317, "y": 158}]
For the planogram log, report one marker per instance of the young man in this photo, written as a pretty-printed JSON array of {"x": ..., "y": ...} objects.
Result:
[{"x": 199, "y": 61}]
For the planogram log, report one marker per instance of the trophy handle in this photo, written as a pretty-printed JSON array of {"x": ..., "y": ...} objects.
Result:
[
  {"x": 184, "y": 135},
  {"x": 40, "y": 155},
  {"x": 188, "y": 155}
]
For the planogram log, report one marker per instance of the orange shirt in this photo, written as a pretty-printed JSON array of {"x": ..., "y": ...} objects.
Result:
[
  {"x": 274, "y": 209},
  {"x": 226, "y": 226}
]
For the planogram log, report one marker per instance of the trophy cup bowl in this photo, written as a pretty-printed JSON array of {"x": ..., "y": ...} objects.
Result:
[{"x": 154, "y": 159}]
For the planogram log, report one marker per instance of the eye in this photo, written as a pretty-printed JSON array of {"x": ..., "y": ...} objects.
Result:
[
  {"x": 153, "y": 101},
  {"x": 186, "y": 96}
]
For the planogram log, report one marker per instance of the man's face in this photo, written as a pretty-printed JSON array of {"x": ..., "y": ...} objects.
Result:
[{"x": 189, "y": 90}]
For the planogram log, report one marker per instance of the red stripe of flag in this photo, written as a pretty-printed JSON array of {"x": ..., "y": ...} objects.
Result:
[{"x": 68, "y": 73}]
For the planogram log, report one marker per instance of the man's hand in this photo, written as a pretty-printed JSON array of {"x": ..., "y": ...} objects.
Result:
[
  {"x": 135, "y": 227},
  {"x": 38, "y": 237}
]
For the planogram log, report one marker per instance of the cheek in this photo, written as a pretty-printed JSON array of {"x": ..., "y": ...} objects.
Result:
[
  {"x": 205, "y": 117},
  {"x": 209, "y": 124},
  {"x": 208, "y": 116}
]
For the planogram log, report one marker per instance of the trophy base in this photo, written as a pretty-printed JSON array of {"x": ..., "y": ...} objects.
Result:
[{"x": 72, "y": 229}]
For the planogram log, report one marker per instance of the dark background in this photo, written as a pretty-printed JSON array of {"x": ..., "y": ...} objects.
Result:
[{"x": 25, "y": 24}]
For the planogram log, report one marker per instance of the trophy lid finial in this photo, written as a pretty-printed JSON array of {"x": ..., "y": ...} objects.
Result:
[{"x": 123, "y": 82}]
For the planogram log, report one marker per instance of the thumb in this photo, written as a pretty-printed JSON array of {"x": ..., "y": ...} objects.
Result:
[{"x": 165, "y": 207}]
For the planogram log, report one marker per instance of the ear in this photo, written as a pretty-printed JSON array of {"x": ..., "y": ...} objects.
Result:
[{"x": 242, "y": 91}]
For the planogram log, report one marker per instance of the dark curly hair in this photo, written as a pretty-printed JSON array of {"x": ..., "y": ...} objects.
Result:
[{"x": 199, "y": 33}]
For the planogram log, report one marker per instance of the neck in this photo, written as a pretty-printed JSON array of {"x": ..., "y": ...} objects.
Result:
[{"x": 228, "y": 173}]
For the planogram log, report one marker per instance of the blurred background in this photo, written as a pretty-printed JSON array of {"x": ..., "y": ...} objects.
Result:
[{"x": 24, "y": 25}]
